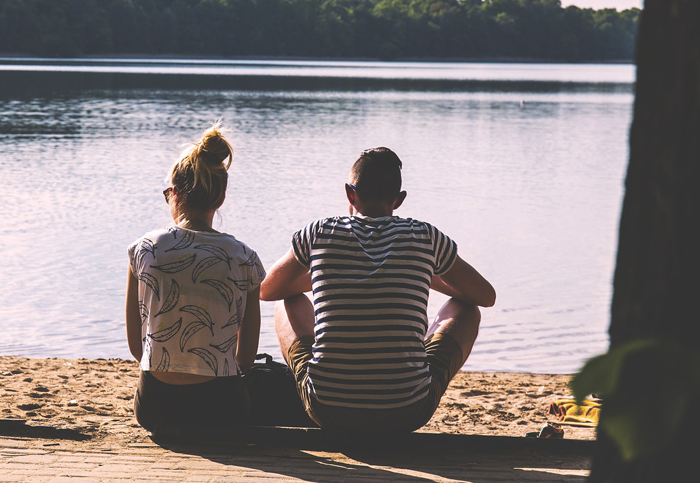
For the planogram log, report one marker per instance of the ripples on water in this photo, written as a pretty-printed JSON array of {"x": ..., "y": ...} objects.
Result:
[{"x": 522, "y": 165}]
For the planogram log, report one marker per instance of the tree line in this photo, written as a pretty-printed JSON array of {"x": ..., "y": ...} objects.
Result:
[{"x": 384, "y": 29}]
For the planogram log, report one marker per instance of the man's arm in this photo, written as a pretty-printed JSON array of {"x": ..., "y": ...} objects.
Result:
[
  {"x": 464, "y": 283},
  {"x": 286, "y": 278}
]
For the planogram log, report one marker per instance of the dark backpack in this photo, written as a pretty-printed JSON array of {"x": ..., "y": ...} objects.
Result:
[{"x": 274, "y": 400}]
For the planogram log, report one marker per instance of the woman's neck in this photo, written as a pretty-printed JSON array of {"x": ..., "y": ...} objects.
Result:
[{"x": 196, "y": 221}]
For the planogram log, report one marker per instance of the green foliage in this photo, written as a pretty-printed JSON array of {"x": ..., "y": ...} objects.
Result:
[
  {"x": 648, "y": 388},
  {"x": 389, "y": 29}
]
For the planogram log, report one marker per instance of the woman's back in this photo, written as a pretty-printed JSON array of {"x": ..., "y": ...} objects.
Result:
[{"x": 192, "y": 293}]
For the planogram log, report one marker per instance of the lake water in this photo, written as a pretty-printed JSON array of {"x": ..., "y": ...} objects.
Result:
[{"x": 521, "y": 164}]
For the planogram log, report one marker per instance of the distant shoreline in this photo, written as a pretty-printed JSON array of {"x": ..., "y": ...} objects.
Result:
[{"x": 446, "y": 60}]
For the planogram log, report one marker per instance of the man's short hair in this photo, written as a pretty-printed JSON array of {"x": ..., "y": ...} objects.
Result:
[{"x": 377, "y": 175}]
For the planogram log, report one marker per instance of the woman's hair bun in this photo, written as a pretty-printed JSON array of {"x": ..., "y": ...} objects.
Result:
[
  {"x": 214, "y": 148},
  {"x": 200, "y": 174}
]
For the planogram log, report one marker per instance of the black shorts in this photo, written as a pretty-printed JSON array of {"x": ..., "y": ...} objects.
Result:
[{"x": 221, "y": 402}]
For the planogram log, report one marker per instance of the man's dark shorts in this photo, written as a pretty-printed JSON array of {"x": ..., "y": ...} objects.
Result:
[{"x": 444, "y": 356}]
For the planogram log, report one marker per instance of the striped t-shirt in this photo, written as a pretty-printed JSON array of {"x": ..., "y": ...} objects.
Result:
[{"x": 371, "y": 278}]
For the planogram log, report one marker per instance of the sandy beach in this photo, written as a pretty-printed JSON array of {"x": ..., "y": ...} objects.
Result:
[{"x": 95, "y": 398}]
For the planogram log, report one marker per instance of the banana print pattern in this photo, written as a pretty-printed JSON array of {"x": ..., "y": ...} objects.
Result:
[
  {"x": 223, "y": 288},
  {"x": 249, "y": 262},
  {"x": 171, "y": 300},
  {"x": 189, "y": 331},
  {"x": 201, "y": 315},
  {"x": 166, "y": 333},
  {"x": 164, "y": 361},
  {"x": 177, "y": 266},
  {"x": 203, "y": 265},
  {"x": 192, "y": 296},
  {"x": 146, "y": 247},
  {"x": 243, "y": 285},
  {"x": 143, "y": 311},
  {"x": 207, "y": 357},
  {"x": 224, "y": 347},
  {"x": 151, "y": 282},
  {"x": 218, "y": 252},
  {"x": 259, "y": 269},
  {"x": 184, "y": 242},
  {"x": 252, "y": 261},
  {"x": 233, "y": 320}
]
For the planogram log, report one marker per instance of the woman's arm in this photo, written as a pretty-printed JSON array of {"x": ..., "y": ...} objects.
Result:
[
  {"x": 249, "y": 333},
  {"x": 133, "y": 316}
]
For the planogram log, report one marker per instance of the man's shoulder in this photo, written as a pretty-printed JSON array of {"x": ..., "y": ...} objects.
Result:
[
  {"x": 411, "y": 223},
  {"x": 321, "y": 222},
  {"x": 350, "y": 222}
]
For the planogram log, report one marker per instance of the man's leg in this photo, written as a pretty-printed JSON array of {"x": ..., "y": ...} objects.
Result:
[
  {"x": 448, "y": 343},
  {"x": 461, "y": 322},
  {"x": 294, "y": 319},
  {"x": 294, "y": 323}
]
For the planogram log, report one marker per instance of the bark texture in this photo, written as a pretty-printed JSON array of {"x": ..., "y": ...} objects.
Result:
[
  {"x": 657, "y": 278},
  {"x": 658, "y": 262}
]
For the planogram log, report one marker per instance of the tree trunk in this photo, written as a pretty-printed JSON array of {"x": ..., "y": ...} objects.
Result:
[{"x": 657, "y": 278}]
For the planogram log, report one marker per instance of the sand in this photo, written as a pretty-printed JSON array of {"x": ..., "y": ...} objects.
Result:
[{"x": 95, "y": 399}]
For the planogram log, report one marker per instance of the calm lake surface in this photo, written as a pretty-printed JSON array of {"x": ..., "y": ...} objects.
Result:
[{"x": 521, "y": 164}]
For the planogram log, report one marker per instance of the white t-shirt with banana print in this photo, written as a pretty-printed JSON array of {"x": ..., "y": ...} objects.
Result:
[{"x": 192, "y": 297}]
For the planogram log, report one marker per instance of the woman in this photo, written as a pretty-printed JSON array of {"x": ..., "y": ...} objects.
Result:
[{"x": 192, "y": 306}]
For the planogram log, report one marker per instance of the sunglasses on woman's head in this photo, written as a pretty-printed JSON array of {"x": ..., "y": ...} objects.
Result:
[{"x": 167, "y": 192}]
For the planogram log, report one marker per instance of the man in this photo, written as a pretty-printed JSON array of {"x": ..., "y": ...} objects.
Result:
[{"x": 364, "y": 357}]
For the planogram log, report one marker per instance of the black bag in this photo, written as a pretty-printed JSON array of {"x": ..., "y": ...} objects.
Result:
[{"x": 274, "y": 400}]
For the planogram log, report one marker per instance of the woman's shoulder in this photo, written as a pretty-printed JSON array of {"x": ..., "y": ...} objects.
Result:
[
  {"x": 237, "y": 248},
  {"x": 152, "y": 238},
  {"x": 176, "y": 239},
  {"x": 239, "y": 256},
  {"x": 156, "y": 234}
]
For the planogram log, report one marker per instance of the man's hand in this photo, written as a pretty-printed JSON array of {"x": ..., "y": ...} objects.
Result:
[{"x": 286, "y": 278}]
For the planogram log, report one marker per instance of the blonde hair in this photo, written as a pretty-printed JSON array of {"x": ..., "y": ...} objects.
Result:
[{"x": 200, "y": 175}]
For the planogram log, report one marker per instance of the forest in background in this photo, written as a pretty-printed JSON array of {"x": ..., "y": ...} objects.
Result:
[{"x": 368, "y": 29}]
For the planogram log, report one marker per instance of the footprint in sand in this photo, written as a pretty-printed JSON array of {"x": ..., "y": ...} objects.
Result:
[
  {"x": 30, "y": 406},
  {"x": 474, "y": 392}
]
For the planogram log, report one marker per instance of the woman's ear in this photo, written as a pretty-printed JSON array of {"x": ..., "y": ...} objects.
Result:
[{"x": 399, "y": 199}]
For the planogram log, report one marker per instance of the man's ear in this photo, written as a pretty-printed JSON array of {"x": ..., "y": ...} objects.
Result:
[
  {"x": 350, "y": 194},
  {"x": 399, "y": 199}
]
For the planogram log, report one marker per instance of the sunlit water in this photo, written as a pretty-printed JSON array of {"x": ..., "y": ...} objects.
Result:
[{"x": 521, "y": 164}]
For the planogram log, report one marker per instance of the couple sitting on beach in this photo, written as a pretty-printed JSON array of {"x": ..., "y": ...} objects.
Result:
[{"x": 364, "y": 357}]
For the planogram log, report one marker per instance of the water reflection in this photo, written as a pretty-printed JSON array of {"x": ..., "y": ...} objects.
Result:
[{"x": 525, "y": 175}]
